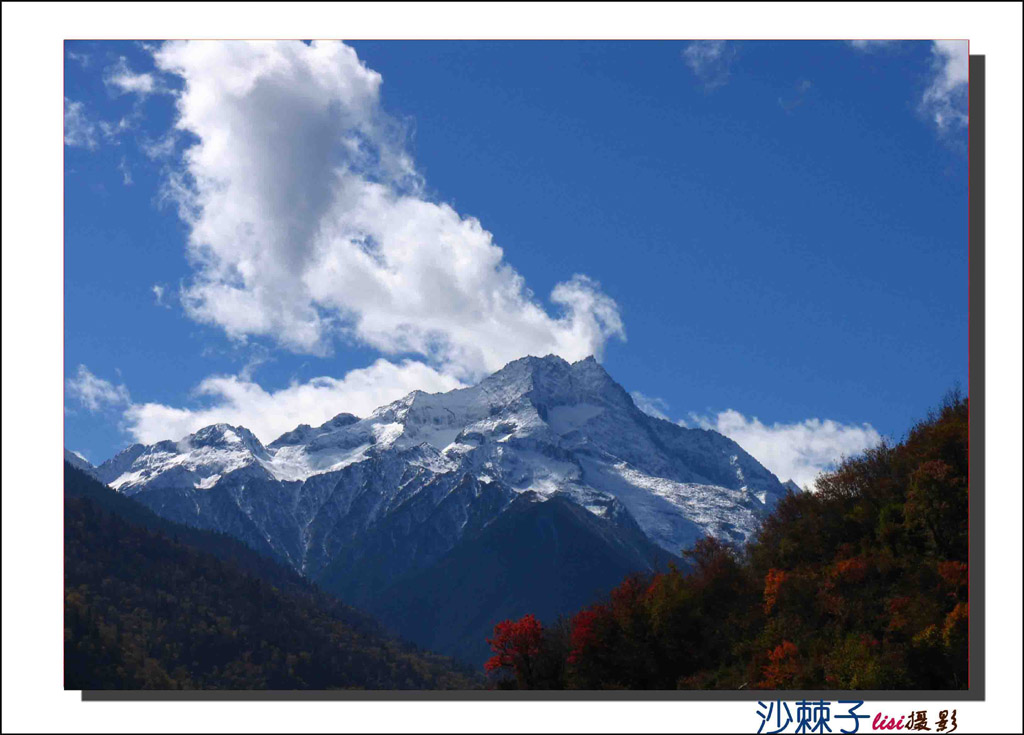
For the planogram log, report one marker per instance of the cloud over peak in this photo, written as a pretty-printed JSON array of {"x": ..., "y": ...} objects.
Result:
[
  {"x": 308, "y": 223},
  {"x": 238, "y": 400},
  {"x": 798, "y": 451}
]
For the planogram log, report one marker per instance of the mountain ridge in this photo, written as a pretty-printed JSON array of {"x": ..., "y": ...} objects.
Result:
[
  {"x": 579, "y": 432},
  {"x": 359, "y": 504},
  {"x": 151, "y": 604}
]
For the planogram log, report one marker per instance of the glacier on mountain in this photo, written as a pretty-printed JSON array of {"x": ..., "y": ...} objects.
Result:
[{"x": 428, "y": 468}]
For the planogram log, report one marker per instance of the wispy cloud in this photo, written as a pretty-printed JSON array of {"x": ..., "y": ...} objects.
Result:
[
  {"x": 113, "y": 130},
  {"x": 945, "y": 99},
  {"x": 710, "y": 61},
  {"x": 651, "y": 405},
  {"x": 795, "y": 98},
  {"x": 159, "y": 295},
  {"x": 160, "y": 148},
  {"x": 82, "y": 58},
  {"x": 83, "y": 130},
  {"x": 79, "y": 130},
  {"x": 872, "y": 44},
  {"x": 799, "y": 451},
  {"x": 123, "y": 80},
  {"x": 95, "y": 394},
  {"x": 126, "y": 172}
]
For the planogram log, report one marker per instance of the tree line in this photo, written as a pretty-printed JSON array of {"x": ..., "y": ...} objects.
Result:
[{"x": 861, "y": 584}]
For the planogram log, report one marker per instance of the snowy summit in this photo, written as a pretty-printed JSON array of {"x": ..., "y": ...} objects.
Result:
[{"x": 538, "y": 424}]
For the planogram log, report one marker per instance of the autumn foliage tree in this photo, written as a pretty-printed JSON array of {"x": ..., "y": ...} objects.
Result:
[
  {"x": 516, "y": 646},
  {"x": 781, "y": 670},
  {"x": 862, "y": 584}
]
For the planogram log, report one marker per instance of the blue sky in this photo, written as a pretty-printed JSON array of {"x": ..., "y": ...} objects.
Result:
[{"x": 769, "y": 239}]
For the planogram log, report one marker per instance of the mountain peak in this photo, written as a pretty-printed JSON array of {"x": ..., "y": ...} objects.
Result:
[
  {"x": 530, "y": 364},
  {"x": 79, "y": 462},
  {"x": 792, "y": 486},
  {"x": 548, "y": 378},
  {"x": 224, "y": 435},
  {"x": 540, "y": 425}
]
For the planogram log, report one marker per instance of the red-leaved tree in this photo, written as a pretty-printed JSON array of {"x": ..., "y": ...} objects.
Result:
[
  {"x": 583, "y": 631},
  {"x": 516, "y": 645}
]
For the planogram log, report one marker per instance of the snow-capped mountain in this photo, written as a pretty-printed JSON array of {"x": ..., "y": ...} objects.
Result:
[
  {"x": 77, "y": 461},
  {"x": 360, "y": 504},
  {"x": 538, "y": 424}
]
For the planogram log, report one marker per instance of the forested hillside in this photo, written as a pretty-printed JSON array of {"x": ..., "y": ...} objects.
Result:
[
  {"x": 151, "y": 604},
  {"x": 862, "y": 584}
]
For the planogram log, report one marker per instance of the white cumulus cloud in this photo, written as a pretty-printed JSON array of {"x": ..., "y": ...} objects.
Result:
[
  {"x": 308, "y": 222},
  {"x": 93, "y": 393},
  {"x": 797, "y": 451},
  {"x": 237, "y": 400}
]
